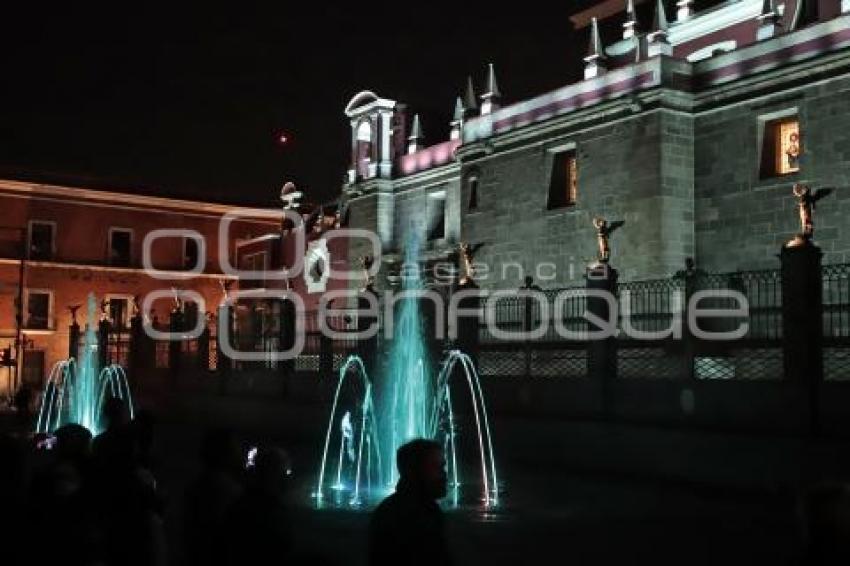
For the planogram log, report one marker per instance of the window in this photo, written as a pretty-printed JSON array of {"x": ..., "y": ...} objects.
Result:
[
  {"x": 119, "y": 311},
  {"x": 563, "y": 182},
  {"x": 472, "y": 182},
  {"x": 120, "y": 240},
  {"x": 190, "y": 253},
  {"x": 42, "y": 239},
  {"x": 781, "y": 147},
  {"x": 437, "y": 216},
  {"x": 38, "y": 307}
]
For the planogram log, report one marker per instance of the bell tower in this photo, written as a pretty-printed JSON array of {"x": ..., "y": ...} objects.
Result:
[{"x": 373, "y": 148}]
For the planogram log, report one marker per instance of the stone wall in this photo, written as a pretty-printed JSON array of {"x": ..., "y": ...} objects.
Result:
[{"x": 743, "y": 220}]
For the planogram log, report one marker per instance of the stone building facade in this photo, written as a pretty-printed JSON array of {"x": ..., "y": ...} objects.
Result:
[{"x": 692, "y": 129}]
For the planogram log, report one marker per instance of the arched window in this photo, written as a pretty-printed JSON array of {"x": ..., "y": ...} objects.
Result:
[{"x": 363, "y": 150}]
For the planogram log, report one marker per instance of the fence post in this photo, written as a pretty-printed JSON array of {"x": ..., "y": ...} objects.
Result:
[
  {"x": 103, "y": 343},
  {"x": 326, "y": 356},
  {"x": 175, "y": 324},
  {"x": 287, "y": 341},
  {"x": 223, "y": 363},
  {"x": 368, "y": 348},
  {"x": 601, "y": 354},
  {"x": 74, "y": 339},
  {"x": 204, "y": 346},
  {"x": 691, "y": 277},
  {"x": 802, "y": 314},
  {"x": 527, "y": 324},
  {"x": 136, "y": 355}
]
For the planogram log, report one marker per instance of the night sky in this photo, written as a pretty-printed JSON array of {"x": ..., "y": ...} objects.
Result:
[{"x": 190, "y": 104}]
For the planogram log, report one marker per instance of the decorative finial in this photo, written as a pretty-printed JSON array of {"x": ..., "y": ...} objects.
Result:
[
  {"x": 457, "y": 120},
  {"x": 290, "y": 196},
  {"x": 414, "y": 140},
  {"x": 470, "y": 102},
  {"x": 490, "y": 99},
  {"x": 595, "y": 59},
  {"x": 630, "y": 25}
]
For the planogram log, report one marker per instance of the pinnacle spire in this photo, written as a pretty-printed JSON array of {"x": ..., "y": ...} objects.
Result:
[
  {"x": 659, "y": 23},
  {"x": 492, "y": 86},
  {"x": 490, "y": 99},
  {"x": 458, "y": 113},
  {"x": 631, "y": 20},
  {"x": 768, "y": 8},
  {"x": 457, "y": 120},
  {"x": 594, "y": 47},
  {"x": 415, "y": 138},
  {"x": 470, "y": 102},
  {"x": 416, "y": 129}
]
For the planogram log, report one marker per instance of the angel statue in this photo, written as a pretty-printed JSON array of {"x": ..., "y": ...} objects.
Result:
[
  {"x": 73, "y": 310},
  {"x": 366, "y": 262},
  {"x": 467, "y": 258},
  {"x": 604, "y": 229},
  {"x": 806, "y": 200}
]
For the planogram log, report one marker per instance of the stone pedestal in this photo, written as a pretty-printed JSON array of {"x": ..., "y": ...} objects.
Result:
[
  {"x": 468, "y": 326},
  {"x": 74, "y": 340},
  {"x": 367, "y": 347},
  {"x": 802, "y": 313},
  {"x": 601, "y": 354},
  {"x": 103, "y": 344}
]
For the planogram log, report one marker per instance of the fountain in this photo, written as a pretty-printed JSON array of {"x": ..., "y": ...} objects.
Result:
[
  {"x": 75, "y": 392},
  {"x": 413, "y": 405}
]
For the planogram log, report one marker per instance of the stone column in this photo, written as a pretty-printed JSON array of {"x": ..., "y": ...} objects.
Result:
[
  {"x": 103, "y": 343},
  {"x": 174, "y": 346},
  {"x": 367, "y": 348},
  {"x": 802, "y": 340},
  {"x": 74, "y": 340},
  {"x": 468, "y": 326},
  {"x": 136, "y": 355},
  {"x": 602, "y": 354}
]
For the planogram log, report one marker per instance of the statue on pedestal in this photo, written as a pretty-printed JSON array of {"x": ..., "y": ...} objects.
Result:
[
  {"x": 366, "y": 262},
  {"x": 73, "y": 310},
  {"x": 806, "y": 200},
  {"x": 467, "y": 259},
  {"x": 604, "y": 229}
]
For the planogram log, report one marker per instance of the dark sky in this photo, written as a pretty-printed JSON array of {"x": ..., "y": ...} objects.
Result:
[{"x": 189, "y": 104}]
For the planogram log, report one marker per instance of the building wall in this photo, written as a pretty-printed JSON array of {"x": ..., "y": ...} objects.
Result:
[
  {"x": 620, "y": 177},
  {"x": 80, "y": 264},
  {"x": 742, "y": 220}
]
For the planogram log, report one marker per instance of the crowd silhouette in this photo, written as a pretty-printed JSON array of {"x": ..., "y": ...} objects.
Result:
[
  {"x": 72, "y": 499},
  {"x": 78, "y": 500}
]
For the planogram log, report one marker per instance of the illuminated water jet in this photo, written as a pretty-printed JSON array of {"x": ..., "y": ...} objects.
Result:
[{"x": 76, "y": 391}]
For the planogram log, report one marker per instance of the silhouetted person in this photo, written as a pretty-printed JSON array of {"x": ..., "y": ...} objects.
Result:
[
  {"x": 113, "y": 447},
  {"x": 22, "y": 402},
  {"x": 210, "y": 497},
  {"x": 258, "y": 523},
  {"x": 407, "y": 527},
  {"x": 59, "y": 496},
  {"x": 128, "y": 502}
]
